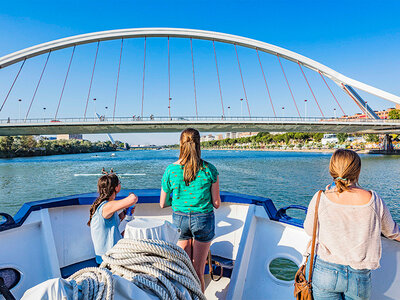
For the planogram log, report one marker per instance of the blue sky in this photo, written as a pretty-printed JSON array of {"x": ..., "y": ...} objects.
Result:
[{"x": 360, "y": 39}]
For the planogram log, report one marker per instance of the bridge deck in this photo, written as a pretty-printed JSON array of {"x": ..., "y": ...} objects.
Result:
[{"x": 124, "y": 125}]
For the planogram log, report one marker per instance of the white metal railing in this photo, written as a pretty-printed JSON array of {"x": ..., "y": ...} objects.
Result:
[{"x": 219, "y": 119}]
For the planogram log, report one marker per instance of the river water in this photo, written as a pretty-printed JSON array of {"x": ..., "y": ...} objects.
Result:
[{"x": 285, "y": 177}]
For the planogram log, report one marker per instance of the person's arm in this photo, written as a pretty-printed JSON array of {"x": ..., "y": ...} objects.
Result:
[
  {"x": 309, "y": 221},
  {"x": 163, "y": 199},
  {"x": 215, "y": 196},
  {"x": 112, "y": 206},
  {"x": 390, "y": 229}
]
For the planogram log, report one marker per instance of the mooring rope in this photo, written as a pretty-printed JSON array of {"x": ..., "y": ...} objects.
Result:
[{"x": 152, "y": 265}]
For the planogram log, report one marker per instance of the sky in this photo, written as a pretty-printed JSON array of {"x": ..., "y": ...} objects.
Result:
[{"x": 360, "y": 39}]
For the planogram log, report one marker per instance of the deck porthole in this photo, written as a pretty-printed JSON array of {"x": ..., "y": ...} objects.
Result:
[
  {"x": 283, "y": 269},
  {"x": 10, "y": 276}
]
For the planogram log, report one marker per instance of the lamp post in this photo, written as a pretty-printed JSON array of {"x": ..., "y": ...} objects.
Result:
[
  {"x": 305, "y": 108},
  {"x": 241, "y": 107},
  {"x": 44, "y": 114},
  {"x": 229, "y": 111},
  {"x": 334, "y": 112},
  {"x": 169, "y": 107},
  {"x": 106, "y": 111},
  {"x": 94, "y": 103},
  {"x": 19, "y": 108},
  {"x": 283, "y": 111}
]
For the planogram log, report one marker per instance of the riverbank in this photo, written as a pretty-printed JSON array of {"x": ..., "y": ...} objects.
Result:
[
  {"x": 27, "y": 146},
  {"x": 361, "y": 151}
]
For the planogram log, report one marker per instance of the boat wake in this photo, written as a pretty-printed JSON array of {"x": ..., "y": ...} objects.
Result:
[{"x": 119, "y": 174}]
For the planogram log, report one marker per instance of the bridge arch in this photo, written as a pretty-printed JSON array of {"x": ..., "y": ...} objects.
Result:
[{"x": 344, "y": 82}]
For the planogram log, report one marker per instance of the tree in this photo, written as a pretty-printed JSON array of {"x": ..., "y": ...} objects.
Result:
[
  {"x": 342, "y": 137},
  {"x": 394, "y": 114},
  {"x": 371, "y": 138}
]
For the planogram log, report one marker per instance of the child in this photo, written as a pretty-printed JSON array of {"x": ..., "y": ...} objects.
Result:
[{"x": 104, "y": 219}]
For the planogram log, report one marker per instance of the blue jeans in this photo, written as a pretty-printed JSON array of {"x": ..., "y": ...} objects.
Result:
[
  {"x": 339, "y": 282},
  {"x": 200, "y": 226}
]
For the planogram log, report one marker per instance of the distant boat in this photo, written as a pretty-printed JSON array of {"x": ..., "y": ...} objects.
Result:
[{"x": 112, "y": 154}]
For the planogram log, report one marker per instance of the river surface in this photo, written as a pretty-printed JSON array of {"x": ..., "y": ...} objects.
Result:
[{"x": 285, "y": 177}]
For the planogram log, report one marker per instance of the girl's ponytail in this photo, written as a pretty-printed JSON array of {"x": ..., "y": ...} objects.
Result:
[{"x": 190, "y": 154}]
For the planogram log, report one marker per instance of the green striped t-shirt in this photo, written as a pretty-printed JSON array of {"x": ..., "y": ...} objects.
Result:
[{"x": 196, "y": 197}]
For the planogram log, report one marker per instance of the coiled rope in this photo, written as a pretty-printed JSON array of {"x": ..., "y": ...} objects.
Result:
[
  {"x": 96, "y": 283},
  {"x": 154, "y": 265}
]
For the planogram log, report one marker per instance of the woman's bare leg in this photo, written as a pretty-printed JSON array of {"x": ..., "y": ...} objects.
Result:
[
  {"x": 187, "y": 245},
  {"x": 200, "y": 252}
]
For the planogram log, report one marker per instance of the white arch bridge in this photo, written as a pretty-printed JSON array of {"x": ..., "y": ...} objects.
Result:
[{"x": 83, "y": 124}]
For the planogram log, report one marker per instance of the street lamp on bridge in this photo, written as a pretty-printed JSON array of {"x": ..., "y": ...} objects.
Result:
[
  {"x": 283, "y": 111},
  {"x": 44, "y": 114},
  {"x": 105, "y": 114},
  {"x": 94, "y": 103},
  {"x": 241, "y": 107},
  {"x": 19, "y": 108},
  {"x": 229, "y": 111},
  {"x": 334, "y": 112},
  {"x": 305, "y": 108}
]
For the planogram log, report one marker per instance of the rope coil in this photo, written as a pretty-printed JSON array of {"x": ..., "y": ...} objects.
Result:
[{"x": 154, "y": 265}]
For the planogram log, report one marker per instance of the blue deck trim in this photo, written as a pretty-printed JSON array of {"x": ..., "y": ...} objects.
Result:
[{"x": 145, "y": 196}]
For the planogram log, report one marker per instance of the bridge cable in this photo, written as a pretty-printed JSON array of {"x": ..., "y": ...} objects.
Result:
[
  {"x": 355, "y": 100},
  {"x": 144, "y": 69},
  {"x": 331, "y": 92},
  {"x": 169, "y": 84},
  {"x": 91, "y": 80},
  {"x": 119, "y": 68},
  {"x": 37, "y": 86},
  {"x": 219, "y": 82},
  {"x": 241, "y": 76},
  {"x": 15, "y": 79},
  {"x": 265, "y": 80},
  {"x": 310, "y": 88},
  {"x": 277, "y": 55},
  {"x": 65, "y": 81},
  {"x": 194, "y": 80}
]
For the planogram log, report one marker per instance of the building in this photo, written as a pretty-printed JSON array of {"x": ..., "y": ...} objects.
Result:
[
  {"x": 247, "y": 134},
  {"x": 236, "y": 135},
  {"x": 207, "y": 138},
  {"x": 69, "y": 137},
  {"x": 383, "y": 114},
  {"x": 219, "y": 137}
]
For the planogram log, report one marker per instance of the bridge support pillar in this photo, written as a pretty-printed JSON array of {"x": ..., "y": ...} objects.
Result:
[{"x": 387, "y": 145}]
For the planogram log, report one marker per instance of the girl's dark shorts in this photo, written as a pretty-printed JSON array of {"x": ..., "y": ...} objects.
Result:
[{"x": 200, "y": 226}]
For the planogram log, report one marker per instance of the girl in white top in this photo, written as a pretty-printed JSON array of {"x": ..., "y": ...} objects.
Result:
[{"x": 350, "y": 223}]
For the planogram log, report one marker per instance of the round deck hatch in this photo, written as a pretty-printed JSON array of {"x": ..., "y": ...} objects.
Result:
[{"x": 283, "y": 269}]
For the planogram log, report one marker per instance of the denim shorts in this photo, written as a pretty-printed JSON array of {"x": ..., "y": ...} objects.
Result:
[
  {"x": 333, "y": 281},
  {"x": 200, "y": 226}
]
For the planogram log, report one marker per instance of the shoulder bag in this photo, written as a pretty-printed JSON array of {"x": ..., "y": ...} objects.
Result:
[{"x": 302, "y": 287}]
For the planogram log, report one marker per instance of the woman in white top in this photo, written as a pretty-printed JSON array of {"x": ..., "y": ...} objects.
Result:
[{"x": 350, "y": 223}]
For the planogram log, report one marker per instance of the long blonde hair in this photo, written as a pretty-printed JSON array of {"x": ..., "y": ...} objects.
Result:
[
  {"x": 344, "y": 167},
  {"x": 190, "y": 154}
]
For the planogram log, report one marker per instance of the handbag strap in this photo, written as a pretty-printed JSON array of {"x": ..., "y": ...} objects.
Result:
[{"x": 314, "y": 236}]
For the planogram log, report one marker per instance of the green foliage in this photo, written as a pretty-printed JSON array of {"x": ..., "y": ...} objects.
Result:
[
  {"x": 28, "y": 146},
  {"x": 371, "y": 138},
  {"x": 394, "y": 114},
  {"x": 342, "y": 137}
]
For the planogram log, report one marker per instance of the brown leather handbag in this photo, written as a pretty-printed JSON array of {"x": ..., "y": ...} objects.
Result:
[{"x": 302, "y": 287}]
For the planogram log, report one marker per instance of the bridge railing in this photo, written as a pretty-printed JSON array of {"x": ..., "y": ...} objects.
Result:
[{"x": 110, "y": 120}]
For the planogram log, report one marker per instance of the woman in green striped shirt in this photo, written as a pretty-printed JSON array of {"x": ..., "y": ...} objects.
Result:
[{"x": 193, "y": 185}]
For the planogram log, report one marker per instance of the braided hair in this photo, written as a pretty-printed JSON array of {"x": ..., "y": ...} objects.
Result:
[{"x": 106, "y": 188}]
